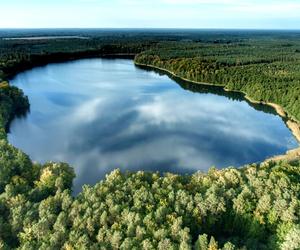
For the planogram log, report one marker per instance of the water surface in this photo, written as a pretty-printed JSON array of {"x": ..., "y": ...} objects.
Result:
[{"x": 102, "y": 114}]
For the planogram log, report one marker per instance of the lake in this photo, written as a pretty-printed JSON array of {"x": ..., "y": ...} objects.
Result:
[{"x": 102, "y": 114}]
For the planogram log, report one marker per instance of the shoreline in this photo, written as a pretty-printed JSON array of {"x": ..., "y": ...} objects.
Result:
[
  {"x": 43, "y": 60},
  {"x": 292, "y": 124}
]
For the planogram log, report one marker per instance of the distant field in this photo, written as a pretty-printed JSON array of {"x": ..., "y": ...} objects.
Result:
[{"x": 45, "y": 37}]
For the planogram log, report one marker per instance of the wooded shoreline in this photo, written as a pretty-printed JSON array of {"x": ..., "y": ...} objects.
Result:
[
  {"x": 42, "y": 60},
  {"x": 291, "y": 123}
]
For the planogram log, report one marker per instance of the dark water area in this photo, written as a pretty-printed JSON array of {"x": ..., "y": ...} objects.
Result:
[{"x": 102, "y": 114}]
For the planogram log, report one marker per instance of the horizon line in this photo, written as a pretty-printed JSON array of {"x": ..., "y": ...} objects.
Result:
[{"x": 146, "y": 28}]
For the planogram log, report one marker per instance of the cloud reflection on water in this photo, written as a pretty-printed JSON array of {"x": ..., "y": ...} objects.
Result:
[{"x": 101, "y": 114}]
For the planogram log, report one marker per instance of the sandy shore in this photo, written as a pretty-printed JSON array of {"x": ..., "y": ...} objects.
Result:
[
  {"x": 290, "y": 155},
  {"x": 293, "y": 125},
  {"x": 295, "y": 128}
]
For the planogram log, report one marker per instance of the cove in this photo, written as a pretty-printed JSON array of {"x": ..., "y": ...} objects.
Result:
[{"x": 102, "y": 114}]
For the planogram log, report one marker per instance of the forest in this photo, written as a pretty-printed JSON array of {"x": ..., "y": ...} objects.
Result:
[
  {"x": 255, "y": 207},
  {"x": 249, "y": 207},
  {"x": 266, "y": 71}
]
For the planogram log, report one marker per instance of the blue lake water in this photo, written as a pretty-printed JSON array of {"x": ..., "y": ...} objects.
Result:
[{"x": 102, "y": 114}]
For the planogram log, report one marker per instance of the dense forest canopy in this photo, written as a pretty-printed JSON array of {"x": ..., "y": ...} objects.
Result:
[
  {"x": 256, "y": 207},
  {"x": 266, "y": 70},
  {"x": 253, "y": 207}
]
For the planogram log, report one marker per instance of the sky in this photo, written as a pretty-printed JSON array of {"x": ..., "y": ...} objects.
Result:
[{"x": 221, "y": 14}]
